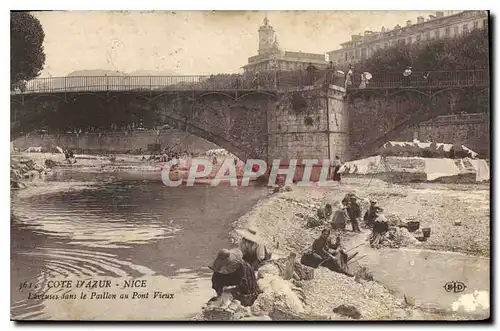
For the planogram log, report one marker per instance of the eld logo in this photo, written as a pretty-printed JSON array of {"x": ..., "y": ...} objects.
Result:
[{"x": 455, "y": 287}]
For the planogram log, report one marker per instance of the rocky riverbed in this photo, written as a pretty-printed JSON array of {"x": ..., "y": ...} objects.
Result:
[
  {"x": 281, "y": 221},
  {"x": 458, "y": 216}
]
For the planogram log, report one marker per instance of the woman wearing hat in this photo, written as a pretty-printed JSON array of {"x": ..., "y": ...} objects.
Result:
[
  {"x": 253, "y": 248},
  {"x": 371, "y": 214},
  {"x": 231, "y": 270},
  {"x": 351, "y": 201},
  {"x": 380, "y": 227}
]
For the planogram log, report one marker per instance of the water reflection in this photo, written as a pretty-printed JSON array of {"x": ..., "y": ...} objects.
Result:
[{"x": 122, "y": 229}]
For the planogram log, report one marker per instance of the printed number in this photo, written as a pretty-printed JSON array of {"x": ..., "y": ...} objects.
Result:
[{"x": 25, "y": 285}]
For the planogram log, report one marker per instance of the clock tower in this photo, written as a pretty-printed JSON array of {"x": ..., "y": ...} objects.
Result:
[{"x": 266, "y": 38}]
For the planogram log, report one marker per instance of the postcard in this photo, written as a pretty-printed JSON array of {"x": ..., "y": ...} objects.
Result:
[{"x": 250, "y": 165}]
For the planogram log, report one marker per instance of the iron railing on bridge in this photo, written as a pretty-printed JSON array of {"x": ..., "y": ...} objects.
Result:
[
  {"x": 269, "y": 80},
  {"x": 422, "y": 79}
]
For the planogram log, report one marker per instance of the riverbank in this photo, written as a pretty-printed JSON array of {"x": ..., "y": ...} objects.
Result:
[
  {"x": 80, "y": 224},
  {"x": 132, "y": 167},
  {"x": 278, "y": 221},
  {"x": 437, "y": 206}
]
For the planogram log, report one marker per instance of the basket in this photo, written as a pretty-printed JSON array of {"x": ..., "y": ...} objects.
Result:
[
  {"x": 426, "y": 232},
  {"x": 413, "y": 226}
]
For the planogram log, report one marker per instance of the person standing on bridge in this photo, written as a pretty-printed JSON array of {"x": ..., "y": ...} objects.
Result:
[
  {"x": 427, "y": 79},
  {"x": 407, "y": 76},
  {"x": 362, "y": 85},
  {"x": 348, "y": 77},
  {"x": 330, "y": 78},
  {"x": 256, "y": 81}
]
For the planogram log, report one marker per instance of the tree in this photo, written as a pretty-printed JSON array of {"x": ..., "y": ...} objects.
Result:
[
  {"x": 466, "y": 52},
  {"x": 27, "y": 57}
]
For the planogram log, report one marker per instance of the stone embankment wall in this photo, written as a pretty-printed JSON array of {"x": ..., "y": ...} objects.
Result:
[
  {"x": 373, "y": 115},
  {"x": 115, "y": 142},
  {"x": 470, "y": 130}
]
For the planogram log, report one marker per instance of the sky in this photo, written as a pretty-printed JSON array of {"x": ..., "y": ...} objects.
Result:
[{"x": 193, "y": 42}]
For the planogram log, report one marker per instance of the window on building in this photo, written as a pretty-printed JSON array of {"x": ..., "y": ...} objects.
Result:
[
  {"x": 419, "y": 37},
  {"x": 455, "y": 31},
  {"x": 386, "y": 45},
  {"x": 485, "y": 22},
  {"x": 345, "y": 56},
  {"x": 427, "y": 35},
  {"x": 465, "y": 28},
  {"x": 409, "y": 40},
  {"x": 358, "y": 53},
  {"x": 476, "y": 25},
  {"x": 447, "y": 32},
  {"x": 436, "y": 34}
]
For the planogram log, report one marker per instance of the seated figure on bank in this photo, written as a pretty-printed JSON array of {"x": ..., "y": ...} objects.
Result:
[
  {"x": 380, "y": 227},
  {"x": 329, "y": 254},
  {"x": 325, "y": 212},
  {"x": 253, "y": 248},
  {"x": 340, "y": 217},
  {"x": 371, "y": 214},
  {"x": 231, "y": 270}
]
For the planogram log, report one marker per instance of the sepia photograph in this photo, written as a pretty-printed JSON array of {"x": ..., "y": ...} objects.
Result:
[{"x": 250, "y": 165}]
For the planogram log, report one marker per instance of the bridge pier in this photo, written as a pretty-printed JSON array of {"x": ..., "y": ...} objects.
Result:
[{"x": 309, "y": 123}]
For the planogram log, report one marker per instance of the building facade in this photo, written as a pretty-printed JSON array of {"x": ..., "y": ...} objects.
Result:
[
  {"x": 437, "y": 26},
  {"x": 271, "y": 56}
]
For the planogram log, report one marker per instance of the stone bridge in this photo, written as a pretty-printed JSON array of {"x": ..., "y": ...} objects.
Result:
[
  {"x": 386, "y": 108},
  {"x": 279, "y": 115}
]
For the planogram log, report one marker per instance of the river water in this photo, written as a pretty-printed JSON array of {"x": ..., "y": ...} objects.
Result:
[{"x": 120, "y": 229}]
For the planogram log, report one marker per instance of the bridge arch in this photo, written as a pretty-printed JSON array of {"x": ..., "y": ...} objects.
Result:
[
  {"x": 55, "y": 97},
  {"x": 101, "y": 96},
  {"x": 220, "y": 119},
  {"x": 408, "y": 91},
  {"x": 248, "y": 94},
  {"x": 449, "y": 89},
  {"x": 354, "y": 93},
  {"x": 126, "y": 93},
  {"x": 212, "y": 137},
  {"x": 206, "y": 94},
  {"x": 16, "y": 101}
]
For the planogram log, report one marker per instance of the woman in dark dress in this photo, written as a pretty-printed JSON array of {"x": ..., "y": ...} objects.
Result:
[
  {"x": 330, "y": 254},
  {"x": 231, "y": 270},
  {"x": 336, "y": 167}
]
